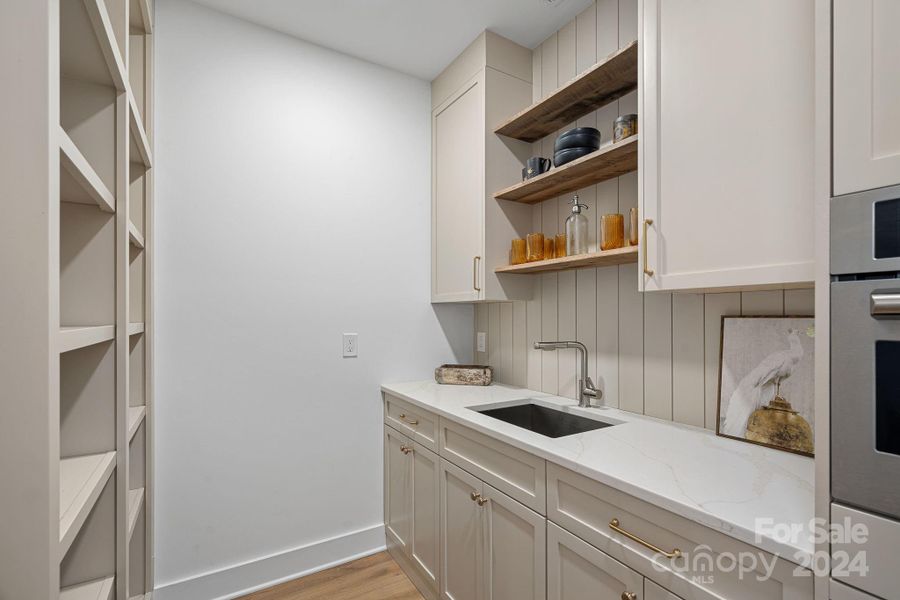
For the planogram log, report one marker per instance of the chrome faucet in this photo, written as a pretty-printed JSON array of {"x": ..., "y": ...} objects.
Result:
[{"x": 586, "y": 389}]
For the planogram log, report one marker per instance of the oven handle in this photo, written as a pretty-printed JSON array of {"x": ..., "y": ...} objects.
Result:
[{"x": 885, "y": 304}]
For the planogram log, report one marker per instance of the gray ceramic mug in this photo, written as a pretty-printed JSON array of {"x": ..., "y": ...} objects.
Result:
[{"x": 534, "y": 166}]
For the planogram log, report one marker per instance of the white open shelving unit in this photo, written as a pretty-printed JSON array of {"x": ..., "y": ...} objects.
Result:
[{"x": 81, "y": 422}]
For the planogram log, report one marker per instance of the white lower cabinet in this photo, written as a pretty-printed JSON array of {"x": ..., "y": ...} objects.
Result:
[
  {"x": 397, "y": 499},
  {"x": 577, "y": 571},
  {"x": 654, "y": 592},
  {"x": 411, "y": 509},
  {"x": 515, "y": 548},
  {"x": 461, "y": 535},
  {"x": 493, "y": 547},
  {"x": 460, "y": 538}
]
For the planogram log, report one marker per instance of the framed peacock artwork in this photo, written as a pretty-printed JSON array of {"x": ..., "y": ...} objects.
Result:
[{"x": 766, "y": 382}]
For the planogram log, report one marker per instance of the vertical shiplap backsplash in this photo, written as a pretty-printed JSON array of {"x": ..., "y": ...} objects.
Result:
[{"x": 655, "y": 353}]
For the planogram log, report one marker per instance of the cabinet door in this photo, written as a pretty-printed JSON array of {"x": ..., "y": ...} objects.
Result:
[
  {"x": 461, "y": 535},
  {"x": 654, "y": 592},
  {"x": 426, "y": 502},
  {"x": 726, "y": 102},
  {"x": 866, "y": 96},
  {"x": 515, "y": 549},
  {"x": 458, "y": 195},
  {"x": 577, "y": 571},
  {"x": 397, "y": 490}
]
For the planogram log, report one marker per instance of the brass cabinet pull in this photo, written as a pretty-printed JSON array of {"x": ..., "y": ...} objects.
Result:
[
  {"x": 476, "y": 497},
  {"x": 629, "y": 596},
  {"x": 405, "y": 449},
  {"x": 614, "y": 525},
  {"x": 410, "y": 421},
  {"x": 647, "y": 270},
  {"x": 475, "y": 273}
]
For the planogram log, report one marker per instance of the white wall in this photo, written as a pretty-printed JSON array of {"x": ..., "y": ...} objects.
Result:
[{"x": 293, "y": 190}]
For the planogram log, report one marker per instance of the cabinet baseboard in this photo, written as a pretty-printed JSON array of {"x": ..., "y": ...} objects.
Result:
[{"x": 266, "y": 571}]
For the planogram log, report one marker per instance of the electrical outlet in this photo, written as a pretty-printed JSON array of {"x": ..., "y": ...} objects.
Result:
[
  {"x": 482, "y": 341},
  {"x": 350, "y": 341}
]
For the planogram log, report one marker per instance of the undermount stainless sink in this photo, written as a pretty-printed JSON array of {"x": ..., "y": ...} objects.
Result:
[{"x": 540, "y": 419}]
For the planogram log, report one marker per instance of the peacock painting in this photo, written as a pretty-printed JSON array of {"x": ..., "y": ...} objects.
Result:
[{"x": 766, "y": 381}]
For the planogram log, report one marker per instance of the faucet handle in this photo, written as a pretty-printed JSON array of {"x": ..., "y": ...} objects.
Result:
[{"x": 590, "y": 390}]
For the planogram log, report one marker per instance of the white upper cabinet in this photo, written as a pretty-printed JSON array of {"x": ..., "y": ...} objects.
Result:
[
  {"x": 726, "y": 103},
  {"x": 490, "y": 80},
  {"x": 866, "y": 95}
]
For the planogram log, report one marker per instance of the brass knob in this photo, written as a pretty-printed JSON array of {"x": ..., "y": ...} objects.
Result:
[
  {"x": 474, "y": 496},
  {"x": 405, "y": 449},
  {"x": 629, "y": 596},
  {"x": 481, "y": 501}
]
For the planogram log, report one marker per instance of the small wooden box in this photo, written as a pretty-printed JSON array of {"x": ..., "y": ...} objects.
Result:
[{"x": 464, "y": 375}]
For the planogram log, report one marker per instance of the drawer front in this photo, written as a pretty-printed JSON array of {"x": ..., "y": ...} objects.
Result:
[
  {"x": 419, "y": 424},
  {"x": 882, "y": 540},
  {"x": 514, "y": 472},
  {"x": 839, "y": 591},
  {"x": 578, "y": 571},
  {"x": 590, "y": 510}
]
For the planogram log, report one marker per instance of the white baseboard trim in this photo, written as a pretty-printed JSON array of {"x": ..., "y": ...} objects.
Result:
[{"x": 235, "y": 581}]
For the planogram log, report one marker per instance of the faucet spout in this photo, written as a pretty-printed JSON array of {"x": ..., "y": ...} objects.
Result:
[{"x": 586, "y": 389}]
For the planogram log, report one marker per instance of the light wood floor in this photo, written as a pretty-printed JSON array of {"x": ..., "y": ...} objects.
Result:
[{"x": 375, "y": 577}]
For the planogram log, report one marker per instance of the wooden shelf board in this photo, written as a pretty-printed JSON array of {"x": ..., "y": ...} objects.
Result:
[
  {"x": 88, "y": 48},
  {"x": 141, "y": 17},
  {"x": 135, "y": 237},
  {"x": 608, "y": 162},
  {"x": 81, "y": 479},
  {"x": 606, "y": 81},
  {"x": 135, "y": 418},
  {"x": 78, "y": 181},
  {"x": 140, "y": 145},
  {"x": 73, "y": 338},
  {"x": 135, "y": 329},
  {"x": 606, "y": 258},
  {"x": 101, "y": 589},
  {"x": 135, "y": 501}
]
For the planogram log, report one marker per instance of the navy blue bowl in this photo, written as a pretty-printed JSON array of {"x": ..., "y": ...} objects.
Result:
[
  {"x": 569, "y": 154},
  {"x": 580, "y": 137}
]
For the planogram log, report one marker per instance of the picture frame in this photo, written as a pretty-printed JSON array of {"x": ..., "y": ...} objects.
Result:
[{"x": 766, "y": 381}]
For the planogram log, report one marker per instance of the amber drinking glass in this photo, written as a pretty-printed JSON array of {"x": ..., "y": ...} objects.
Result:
[
  {"x": 612, "y": 231},
  {"x": 633, "y": 227},
  {"x": 560, "y": 245},
  {"x": 549, "y": 250},
  {"x": 534, "y": 247},
  {"x": 517, "y": 252}
]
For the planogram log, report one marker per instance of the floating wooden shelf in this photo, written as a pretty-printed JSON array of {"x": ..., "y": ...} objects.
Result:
[
  {"x": 608, "y": 162},
  {"x": 140, "y": 145},
  {"x": 135, "y": 501},
  {"x": 135, "y": 418},
  {"x": 606, "y": 81},
  {"x": 81, "y": 479},
  {"x": 135, "y": 237},
  {"x": 135, "y": 329},
  {"x": 101, "y": 589},
  {"x": 78, "y": 181},
  {"x": 88, "y": 47},
  {"x": 607, "y": 258},
  {"x": 73, "y": 338}
]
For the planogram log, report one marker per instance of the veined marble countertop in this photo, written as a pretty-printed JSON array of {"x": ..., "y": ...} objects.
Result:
[{"x": 724, "y": 484}]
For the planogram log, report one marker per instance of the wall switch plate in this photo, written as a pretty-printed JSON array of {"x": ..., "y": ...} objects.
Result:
[
  {"x": 482, "y": 341},
  {"x": 350, "y": 341}
]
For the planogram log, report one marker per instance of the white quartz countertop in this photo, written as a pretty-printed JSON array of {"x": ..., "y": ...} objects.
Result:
[{"x": 724, "y": 484}]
